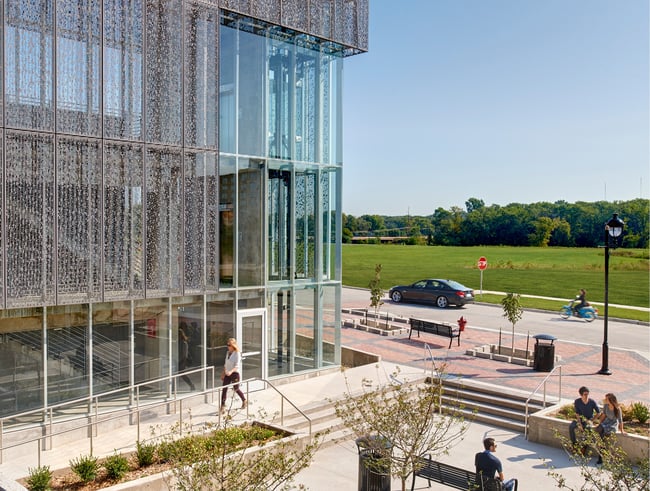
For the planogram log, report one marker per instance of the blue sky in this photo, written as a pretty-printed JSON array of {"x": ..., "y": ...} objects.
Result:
[{"x": 502, "y": 100}]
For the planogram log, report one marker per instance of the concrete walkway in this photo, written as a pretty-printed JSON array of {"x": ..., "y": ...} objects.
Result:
[{"x": 336, "y": 467}]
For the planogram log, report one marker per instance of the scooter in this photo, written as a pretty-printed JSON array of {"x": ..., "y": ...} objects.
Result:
[{"x": 587, "y": 312}]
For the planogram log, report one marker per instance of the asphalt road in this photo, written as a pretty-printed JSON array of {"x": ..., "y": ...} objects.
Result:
[{"x": 621, "y": 334}]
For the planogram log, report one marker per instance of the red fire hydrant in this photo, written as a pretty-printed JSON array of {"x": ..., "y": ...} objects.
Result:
[{"x": 461, "y": 323}]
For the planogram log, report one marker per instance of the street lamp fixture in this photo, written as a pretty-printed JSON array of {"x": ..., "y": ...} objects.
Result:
[{"x": 613, "y": 230}]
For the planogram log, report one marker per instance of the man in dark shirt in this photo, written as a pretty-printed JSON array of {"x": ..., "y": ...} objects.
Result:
[
  {"x": 489, "y": 465},
  {"x": 586, "y": 410}
]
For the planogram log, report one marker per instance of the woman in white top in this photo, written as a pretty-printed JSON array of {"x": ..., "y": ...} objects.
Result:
[{"x": 230, "y": 374}]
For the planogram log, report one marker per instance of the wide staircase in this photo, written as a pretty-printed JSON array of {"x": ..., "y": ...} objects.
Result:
[{"x": 478, "y": 402}]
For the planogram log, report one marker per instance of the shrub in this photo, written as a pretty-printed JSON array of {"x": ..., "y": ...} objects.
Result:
[
  {"x": 640, "y": 412},
  {"x": 567, "y": 412},
  {"x": 39, "y": 478},
  {"x": 165, "y": 451},
  {"x": 116, "y": 466},
  {"x": 145, "y": 453},
  {"x": 85, "y": 467}
]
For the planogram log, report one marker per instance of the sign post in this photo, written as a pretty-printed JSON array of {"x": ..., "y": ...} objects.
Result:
[{"x": 482, "y": 264}]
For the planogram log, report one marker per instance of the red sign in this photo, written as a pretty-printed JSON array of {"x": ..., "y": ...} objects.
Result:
[{"x": 482, "y": 263}]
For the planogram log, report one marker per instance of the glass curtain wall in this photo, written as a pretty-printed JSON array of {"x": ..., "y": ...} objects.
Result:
[{"x": 279, "y": 136}]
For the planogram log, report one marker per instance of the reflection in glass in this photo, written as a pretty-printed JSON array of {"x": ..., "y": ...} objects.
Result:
[
  {"x": 305, "y": 206},
  {"x": 187, "y": 340},
  {"x": 278, "y": 215},
  {"x": 305, "y": 319},
  {"x": 68, "y": 360},
  {"x": 331, "y": 337},
  {"x": 151, "y": 342},
  {"x": 221, "y": 324},
  {"x": 278, "y": 337},
  {"x": 111, "y": 346},
  {"x": 227, "y": 196},
  {"x": 249, "y": 222},
  {"x": 21, "y": 360}
]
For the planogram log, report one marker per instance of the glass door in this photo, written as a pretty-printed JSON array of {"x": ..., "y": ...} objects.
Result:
[{"x": 251, "y": 325}]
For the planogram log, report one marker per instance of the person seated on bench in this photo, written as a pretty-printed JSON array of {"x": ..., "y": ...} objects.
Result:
[{"x": 489, "y": 465}]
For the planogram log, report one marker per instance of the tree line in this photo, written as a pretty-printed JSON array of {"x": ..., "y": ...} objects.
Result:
[{"x": 542, "y": 224}]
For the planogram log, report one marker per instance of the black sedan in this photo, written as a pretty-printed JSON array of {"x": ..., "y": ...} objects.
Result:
[{"x": 439, "y": 292}]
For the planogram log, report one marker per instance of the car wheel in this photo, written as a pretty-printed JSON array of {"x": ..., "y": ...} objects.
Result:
[
  {"x": 442, "y": 302},
  {"x": 396, "y": 296}
]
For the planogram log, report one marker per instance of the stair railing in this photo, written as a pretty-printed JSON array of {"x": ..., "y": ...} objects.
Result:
[
  {"x": 282, "y": 399},
  {"x": 46, "y": 441},
  {"x": 532, "y": 394},
  {"x": 427, "y": 349}
]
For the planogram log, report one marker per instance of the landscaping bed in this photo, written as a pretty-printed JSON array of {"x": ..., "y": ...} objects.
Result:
[{"x": 87, "y": 473}]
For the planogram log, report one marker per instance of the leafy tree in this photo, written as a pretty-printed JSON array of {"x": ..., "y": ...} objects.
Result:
[
  {"x": 401, "y": 423},
  {"x": 617, "y": 472},
  {"x": 542, "y": 234},
  {"x": 376, "y": 291},
  {"x": 561, "y": 234},
  {"x": 573, "y": 224},
  {"x": 222, "y": 462},
  {"x": 513, "y": 311},
  {"x": 474, "y": 204}
]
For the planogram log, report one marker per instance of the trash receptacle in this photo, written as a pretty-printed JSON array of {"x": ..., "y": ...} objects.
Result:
[
  {"x": 374, "y": 474},
  {"x": 544, "y": 356}
]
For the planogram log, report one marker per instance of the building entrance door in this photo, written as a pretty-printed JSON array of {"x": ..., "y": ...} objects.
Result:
[{"x": 251, "y": 326}]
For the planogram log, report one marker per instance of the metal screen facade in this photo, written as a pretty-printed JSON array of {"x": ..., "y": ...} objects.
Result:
[{"x": 166, "y": 166}]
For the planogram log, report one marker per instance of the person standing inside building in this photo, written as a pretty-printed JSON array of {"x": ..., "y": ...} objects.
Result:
[
  {"x": 586, "y": 410},
  {"x": 184, "y": 355},
  {"x": 230, "y": 374},
  {"x": 488, "y": 465}
]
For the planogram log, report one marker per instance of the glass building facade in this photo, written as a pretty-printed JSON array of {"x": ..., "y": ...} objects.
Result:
[{"x": 168, "y": 165}]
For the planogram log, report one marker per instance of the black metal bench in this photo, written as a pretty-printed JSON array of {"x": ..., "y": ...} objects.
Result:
[
  {"x": 454, "y": 477},
  {"x": 438, "y": 328}
]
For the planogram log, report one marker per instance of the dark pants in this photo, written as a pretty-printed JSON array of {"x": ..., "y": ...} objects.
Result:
[
  {"x": 233, "y": 378},
  {"x": 572, "y": 429}
]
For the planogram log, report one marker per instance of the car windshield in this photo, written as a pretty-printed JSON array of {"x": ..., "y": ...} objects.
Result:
[{"x": 456, "y": 286}]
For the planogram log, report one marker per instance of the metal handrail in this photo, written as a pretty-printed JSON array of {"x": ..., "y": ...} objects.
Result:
[
  {"x": 136, "y": 410},
  {"x": 283, "y": 398},
  {"x": 427, "y": 349},
  {"x": 543, "y": 382},
  {"x": 90, "y": 399},
  {"x": 93, "y": 402}
]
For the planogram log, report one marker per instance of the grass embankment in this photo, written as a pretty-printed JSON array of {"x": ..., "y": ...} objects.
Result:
[{"x": 544, "y": 271}]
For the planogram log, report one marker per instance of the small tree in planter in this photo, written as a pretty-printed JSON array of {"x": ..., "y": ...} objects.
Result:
[
  {"x": 513, "y": 311},
  {"x": 617, "y": 473},
  {"x": 400, "y": 423},
  {"x": 376, "y": 292}
]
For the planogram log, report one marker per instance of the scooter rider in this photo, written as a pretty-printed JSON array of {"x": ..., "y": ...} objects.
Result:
[{"x": 582, "y": 302}]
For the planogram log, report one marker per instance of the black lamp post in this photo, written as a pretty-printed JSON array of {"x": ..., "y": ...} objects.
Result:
[{"x": 613, "y": 230}]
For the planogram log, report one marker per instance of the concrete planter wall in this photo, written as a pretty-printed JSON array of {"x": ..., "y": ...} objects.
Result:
[{"x": 542, "y": 427}]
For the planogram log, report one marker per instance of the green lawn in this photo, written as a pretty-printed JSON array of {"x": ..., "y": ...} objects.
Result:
[{"x": 545, "y": 271}]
